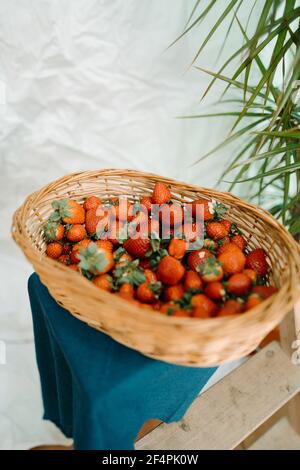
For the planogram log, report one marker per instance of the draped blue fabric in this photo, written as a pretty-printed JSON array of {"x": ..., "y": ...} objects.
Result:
[{"x": 94, "y": 389}]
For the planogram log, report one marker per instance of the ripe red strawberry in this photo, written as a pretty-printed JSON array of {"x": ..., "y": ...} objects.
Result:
[
  {"x": 145, "y": 264},
  {"x": 76, "y": 233},
  {"x": 94, "y": 220},
  {"x": 173, "y": 310},
  {"x": 161, "y": 194},
  {"x": 264, "y": 291},
  {"x": 197, "y": 257},
  {"x": 226, "y": 224},
  {"x": 53, "y": 231},
  {"x": 96, "y": 260},
  {"x": 104, "y": 281},
  {"x": 168, "y": 308},
  {"x": 91, "y": 202},
  {"x": 191, "y": 231},
  {"x": 222, "y": 243},
  {"x": 74, "y": 257},
  {"x": 167, "y": 232},
  {"x": 227, "y": 247},
  {"x": 216, "y": 230},
  {"x": 203, "y": 307},
  {"x": 215, "y": 290},
  {"x": 210, "y": 244},
  {"x": 76, "y": 250},
  {"x": 148, "y": 292},
  {"x": 238, "y": 284},
  {"x": 74, "y": 267},
  {"x": 233, "y": 260},
  {"x": 105, "y": 244},
  {"x": 252, "y": 301},
  {"x": 129, "y": 273},
  {"x": 116, "y": 230},
  {"x": 147, "y": 203},
  {"x": 70, "y": 211},
  {"x": 150, "y": 276},
  {"x": 54, "y": 250},
  {"x": 192, "y": 280},
  {"x": 239, "y": 241},
  {"x": 140, "y": 224},
  {"x": 129, "y": 213},
  {"x": 211, "y": 270},
  {"x": 230, "y": 307},
  {"x": 121, "y": 209},
  {"x": 126, "y": 291},
  {"x": 138, "y": 248},
  {"x": 171, "y": 215},
  {"x": 64, "y": 259},
  {"x": 133, "y": 301},
  {"x": 177, "y": 248},
  {"x": 251, "y": 274},
  {"x": 174, "y": 292},
  {"x": 91, "y": 221},
  {"x": 146, "y": 306},
  {"x": 83, "y": 244},
  {"x": 181, "y": 312},
  {"x": 67, "y": 248},
  {"x": 170, "y": 271},
  {"x": 122, "y": 259},
  {"x": 208, "y": 208},
  {"x": 256, "y": 260},
  {"x": 156, "y": 305},
  {"x": 153, "y": 226}
]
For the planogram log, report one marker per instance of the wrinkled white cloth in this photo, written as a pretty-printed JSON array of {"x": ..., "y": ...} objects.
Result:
[
  {"x": 87, "y": 84},
  {"x": 91, "y": 84}
]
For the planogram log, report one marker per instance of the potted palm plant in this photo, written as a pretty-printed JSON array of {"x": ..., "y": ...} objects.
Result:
[{"x": 267, "y": 105}]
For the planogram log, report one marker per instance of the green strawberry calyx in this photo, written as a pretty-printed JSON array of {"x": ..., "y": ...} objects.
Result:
[
  {"x": 62, "y": 208},
  {"x": 155, "y": 287},
  {"x": 54, "y": 217},
  {"x": 185, "y": 301},
  {"x": 129, "y": 273},
  {"x": 50, "y": 230},
  {"x": 118, "y": 253},
  {"x": 156, "y": 252},
  {"x": 210, "y": 266},
  {"x": 92, "y": 260},
  {"x": 219, "y": 210}
]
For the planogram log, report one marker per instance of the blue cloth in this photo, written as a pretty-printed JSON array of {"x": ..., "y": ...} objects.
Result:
[{"x": 96, "y": 390}]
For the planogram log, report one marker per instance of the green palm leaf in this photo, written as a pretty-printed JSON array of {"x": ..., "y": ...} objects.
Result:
[{"x": 267, "y": 118}]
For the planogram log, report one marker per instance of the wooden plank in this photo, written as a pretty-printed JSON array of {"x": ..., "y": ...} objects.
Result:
[
  {"x": 257, "y": 435},
  {"x": 232, "y": 409},
  {"x": 281, "y": 436},
  {"x": 263, "y": 429},
  {"x": 287, "y": 336}
]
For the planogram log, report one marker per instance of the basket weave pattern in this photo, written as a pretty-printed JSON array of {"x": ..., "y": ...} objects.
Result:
[{"x": 185, "y": 341}]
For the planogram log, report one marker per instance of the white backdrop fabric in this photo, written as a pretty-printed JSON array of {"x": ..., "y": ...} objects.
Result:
[{"x": 87, "y": 84}]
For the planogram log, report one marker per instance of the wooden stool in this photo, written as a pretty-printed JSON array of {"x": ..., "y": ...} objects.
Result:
[
  {"x": 234, "y": 408},
  {"x": 231, "y": 410}
]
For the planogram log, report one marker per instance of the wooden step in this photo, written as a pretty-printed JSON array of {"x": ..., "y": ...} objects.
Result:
[{"x": 232, "y": 409}]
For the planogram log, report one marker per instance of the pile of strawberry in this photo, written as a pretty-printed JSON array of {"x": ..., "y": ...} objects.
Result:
[{"x": 223, "y": 277}]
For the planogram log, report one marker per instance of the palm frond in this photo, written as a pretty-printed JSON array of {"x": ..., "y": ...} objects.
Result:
[{"x": 267, "y": 118}]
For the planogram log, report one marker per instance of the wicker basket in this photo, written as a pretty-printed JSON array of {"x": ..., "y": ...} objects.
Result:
[{"x": 185, "y": 341}]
